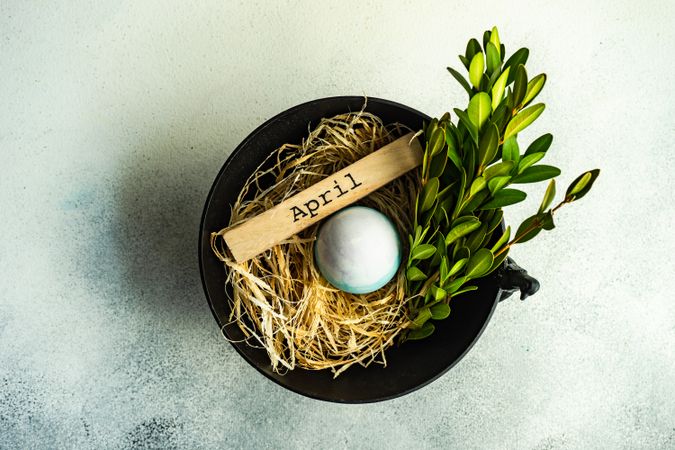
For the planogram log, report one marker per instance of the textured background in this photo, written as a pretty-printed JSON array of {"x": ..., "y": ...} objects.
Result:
[{"x": 115, "y": 118}]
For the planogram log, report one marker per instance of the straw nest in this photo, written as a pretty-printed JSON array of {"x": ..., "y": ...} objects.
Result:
[{"x": 279, "y": 299}]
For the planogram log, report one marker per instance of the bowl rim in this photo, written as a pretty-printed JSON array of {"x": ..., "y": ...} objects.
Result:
[{"x": 238, "y": 149}]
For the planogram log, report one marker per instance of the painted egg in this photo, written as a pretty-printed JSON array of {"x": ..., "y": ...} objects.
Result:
[{"x": 358, "y": 250}]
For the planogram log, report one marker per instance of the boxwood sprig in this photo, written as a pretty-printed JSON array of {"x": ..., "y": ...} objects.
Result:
[{"x": 466, "y": 174}]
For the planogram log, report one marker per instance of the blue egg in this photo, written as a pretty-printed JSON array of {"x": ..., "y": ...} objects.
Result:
[{"x": 358, "y": 250}]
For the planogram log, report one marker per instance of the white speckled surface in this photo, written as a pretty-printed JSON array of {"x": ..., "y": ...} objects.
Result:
[{"x": 116, "y": 116}]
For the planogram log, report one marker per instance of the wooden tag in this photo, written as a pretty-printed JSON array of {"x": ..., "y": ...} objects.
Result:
[{"x": 320, "y": 200}]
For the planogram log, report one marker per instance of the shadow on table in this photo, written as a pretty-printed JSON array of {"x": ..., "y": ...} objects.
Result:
[{"x": 159, "y": 202}]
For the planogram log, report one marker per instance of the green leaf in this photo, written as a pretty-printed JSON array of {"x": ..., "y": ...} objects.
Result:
[
  {"x": 422, "y": 251},
  {"x": 461, "y": 252},
  {"x": 479, "y": 109},
  {"x": 495, "y": 220},
  {"x": 436, "y": 141},
  {"x": 415, "y": 274},
  {"x": 486, "y": 38},
  {"x": 476, "y": 238},
  {"x": 460, "y": 193},
  {"x": 461, "y": 80},
  {"x": 454, "y": 157},
  {"x": 499, "y": 87},
  {"x": 484, "y": 83},
  {"x": 466, "y": 121},
  {"x": 541, "y": 144},
  {"x": 465, "y": 61},
  {"x": 431, "y": 127},
  {"x": 533, "y": 224},
  {"x": 498, "y": 170},
  {"x": 469, "y": 160},
  {"x": 429, "y": 193},
  {"x": 451, "y": 138},
  {"x": 519, "y": 57},
  {"x": 510, "y": 150},
  {"x": 455, "y": 285},
  {"x": 420, "y": 234},
  {"x": 529, "y": 160},
  {"x": 438, "y": 294},
  {"x": 457, "y": 266},
  {"x": 536, "y": 173},
  {"x": 534, "y": 86},
  {"x": 453, "y": 153},
  {"x": 437, "y": 164},
  {"x": 421, "y": 333},
  {"x": 463, "y": 219},
  {"x": 461, "y": 229},
  {"x": 425, "y": 164},
  {"x": 499, "y": 260},
  {"x": 443, "y": 269},
  {"x": 476, "y": 69},
  {"x": 492, "y": 79},
  {"x": 444, "y": 120},
  {"x": 494, "y": 39},
  {"x": 478, "y": 185},
  {"x": 519, "y": 85},
  {"x": 548, "y": 196},
  {"x": 479, "y": 263},
  {"x": 501, "y": 115},
  {"x": 428, "y": 215},
  {"x": 580, "y": 187},
  {"x": 474, "y": 202},
  {"x": 488, "y": 145},
  {"x": 464, "y": 290},
  {"x": 422, "y": 316},
  {"x": 523, "y": 119},
  {"x": 547, "y": 221},
  {"x": 493, "y": 60},
  {"x": 440, "y": 311},
  {"x": 472, "y": 47},
  {"x": 497, "y": 183},
  {"x": 505, "y": 197},
  {"x": 440, "y": 250},
  {"x": 503, "y": 240}
]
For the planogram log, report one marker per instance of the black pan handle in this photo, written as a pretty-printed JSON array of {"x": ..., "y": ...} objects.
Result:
[{"x": 514, "y": 278}]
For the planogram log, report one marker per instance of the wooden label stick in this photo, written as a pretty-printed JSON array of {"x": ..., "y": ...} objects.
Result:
[{"x": 318, "y": 201}]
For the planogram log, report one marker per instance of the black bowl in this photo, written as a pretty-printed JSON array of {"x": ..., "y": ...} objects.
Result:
[{"x": 410, "y": 365}]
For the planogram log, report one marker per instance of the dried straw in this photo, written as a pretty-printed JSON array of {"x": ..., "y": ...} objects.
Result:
[{"x": 280, "y": 300}]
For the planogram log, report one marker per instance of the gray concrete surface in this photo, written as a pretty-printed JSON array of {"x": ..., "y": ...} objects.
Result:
[{"x": 115, "y": 118}]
